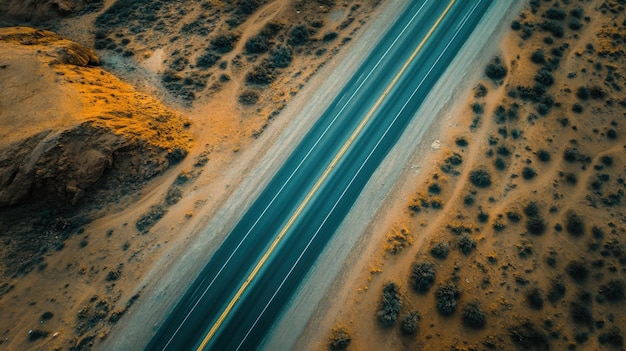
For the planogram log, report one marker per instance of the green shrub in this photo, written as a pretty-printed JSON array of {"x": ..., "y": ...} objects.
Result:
[
  {"x": 440, "y": 250},
  {"x": 535, "y": 298},
  {"x": 557, "y": 289},
  {"x": 613, "y": 290},
  {"x": 224, "y": 43},
  {"x": 538, "y": 56},
  {"x": 299, "y": 35},
  {"x": 422, "y": 276},
  {"x": 260, "y": 75},
  {"x": 543, "y": 156},
  {"x": 257, "y": 44},
  {"x": 281, "y": 57},
  {"x": 410, "y": 323},
  {"x": 207, "y": 60},
  {"x": 473, "y": 315},
  {"x": 574, "y": 224},
  {"x": 446, "y": 295},
  {"x": 249, "y": 97},
  {"x": 339, "y": 339},
  {"x": 466, "y": 244},
  {"x": 535, "y": 225},
  {"x": 577, "y": 270},
  {"x": 612, "y": 337},
  {"x": 528, "y": 173},
  {"x": 390, "y": 305},
  {"x": 480, "y": 178},
  {"x": 496, "y": 70}
]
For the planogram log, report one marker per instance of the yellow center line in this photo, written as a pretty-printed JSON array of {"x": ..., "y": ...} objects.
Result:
[{"x": 319, "y": 182}]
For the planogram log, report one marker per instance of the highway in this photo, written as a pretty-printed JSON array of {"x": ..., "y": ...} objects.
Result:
[{"x": 244, "y": 286}]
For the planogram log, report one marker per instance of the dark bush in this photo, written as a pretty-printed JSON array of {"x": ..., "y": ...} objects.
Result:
[
  {"x": 571, "y": 155},
  {"x": 483, "y": 217},
  {"x": 478, "y": 108},
  {"x": 577, "y": 108},
  {"x": 481, "y": 91},
  {"x": 538, "y": 57},
  {"x": 440, "y": 250},
  {"x": 423, "y": 276},
  {"x": 554, "y": 28},
  {"x": 480, "y": 178},
  {"x": 534, "y": 297},
  {"x": 544, "y": 77},
  {"x": 612, "y": 337},
  {"x": 47, "y": 316},
  {"x": 299, "y": 35},
  {"x": 580, "y": 313},
  {"x": 577, "y": 12},
  {"x": 176, "y": 155},
  {"x": 613, "y": 290},
  {"x": 257, "y": 44},
  {"x": 595, "y": 92},
  {"x": 577, "y": 270},
  {"x": 35, "y": 334},
  {"x": 513, "y": 216},
  {"x": 532, "y": 209},
  {"x": 536, "y": 225},
  {"x": 611, "y": 134},
  {"x": 557, "y": 290},
  {"x": 499, "y": 163},
  {"x": 574, "y": 25},
  {"x": 607, "y": 160},
  {"x": 496, "y": 70},
  {"x": 390, "y": 305},
  {"x": 249, "y": 97},
  {"x": 339, "y": 339},
  {"x": 528, "y": 173},
  {"x": 410, "y": 323},
  {"x": 281, "y": 57},
  {"x": 574, "y": 224},
  {"x": 434, "y": 188},
  {"x": 224, "y": 43},
  {"x": 583, "y": 93},
  {"x": 528, "y": 337},
  {"x": 207, "y": 60},
  {"x": 503, "y": 151},
  {"x": 454, "y": 160},
  {"x": 461, "y": 142},
  {"x": 446, "y": 295},
  {"x": 466, "y": 244},
  {"x": 330, "y": 36},
  {"x": 556, "y": 14},
  {"x": 247, "y": 7},
  {"x": 571, "y": 178},
  {"x": 260, "y": 75},
  {"x": 515, "y": 25},
  {"x": 473, "y": 315},
  {"x": 543, "y": 155}
]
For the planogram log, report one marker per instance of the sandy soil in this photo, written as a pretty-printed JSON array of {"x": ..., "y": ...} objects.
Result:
[
  {"x": 532, "y": 258},
  {"x": 112, "y": 261}
]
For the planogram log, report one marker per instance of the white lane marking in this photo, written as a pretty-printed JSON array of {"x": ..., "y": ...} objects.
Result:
[
  {"x": 292, "y": 174},
  {"x": 465, "y": 19}
]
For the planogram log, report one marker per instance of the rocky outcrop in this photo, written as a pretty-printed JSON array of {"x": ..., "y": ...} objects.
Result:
[
  {"x": 91, "y": 129},
  {"x": 38, "y": 10}
]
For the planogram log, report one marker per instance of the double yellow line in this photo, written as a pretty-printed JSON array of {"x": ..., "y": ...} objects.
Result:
[{"x": 318, "y": 184}]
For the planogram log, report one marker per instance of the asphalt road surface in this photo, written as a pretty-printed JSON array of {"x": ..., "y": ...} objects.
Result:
[{"x": 243, "y": 288}]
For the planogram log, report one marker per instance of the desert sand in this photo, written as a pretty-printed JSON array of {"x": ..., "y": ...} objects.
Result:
[
  {"x": 155, "y": 122},
  {"x": 512, "y": 234}
]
